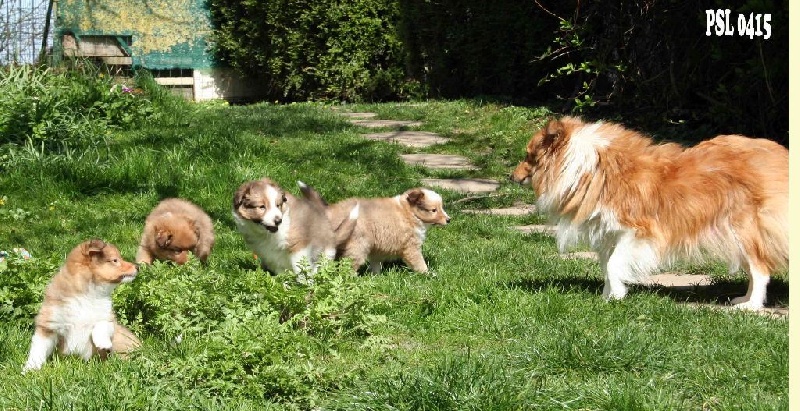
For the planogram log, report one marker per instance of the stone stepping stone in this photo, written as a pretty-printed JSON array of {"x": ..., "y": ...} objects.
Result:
[
  {"x": 774, "y": 312},
  {"x": 536, "y": 228},
  {"x": 359, "y": 116},
  {"x": 385, "y": 123},
  {"x": 416, "y": 139},
  {"x": 584, "y": 255},
  {"x": 439, "y": 161},
  {"x": 520, "y": 210},
  {"x": 678, "y": 280},
  {"x": 463, "y": 185}
]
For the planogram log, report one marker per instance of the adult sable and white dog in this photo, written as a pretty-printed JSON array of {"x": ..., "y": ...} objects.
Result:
[
  {"x": 390, "y": 228},
  {"x": 641, "y": 205},
  {"x": 285, "y": 231},
  {"x": 76, "y": 315}
]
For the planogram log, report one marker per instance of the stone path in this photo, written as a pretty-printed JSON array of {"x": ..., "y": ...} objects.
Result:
[
  {"x": 518, "y": 210},
  {"x": 423, "y": 139},
  {"x": 416, "y": 139},
  {"x": 535, "y": 228},
  {"x": 385, "y": 123},
  {"x": 359, "y": 115},
  {"x": 463, "y": 185},
  {"x": 439, "y": 161}
]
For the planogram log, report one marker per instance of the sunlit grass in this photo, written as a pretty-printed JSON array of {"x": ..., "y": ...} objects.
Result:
[{"x": 504, "y": 322}]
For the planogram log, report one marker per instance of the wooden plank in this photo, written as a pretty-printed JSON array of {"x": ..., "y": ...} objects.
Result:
[{"x": 175, "y": 81}]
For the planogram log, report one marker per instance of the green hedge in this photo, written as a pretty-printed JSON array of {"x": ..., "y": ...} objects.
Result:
[
  {"x": 321, "y": 49},
  {"x": 642, "y": 62}
]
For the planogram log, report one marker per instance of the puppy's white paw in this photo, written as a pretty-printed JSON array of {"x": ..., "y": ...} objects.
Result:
[{"x": 31, "y": 366}]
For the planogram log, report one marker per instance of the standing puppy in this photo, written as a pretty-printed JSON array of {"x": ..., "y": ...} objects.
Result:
[
  {"x": 283, "y": 230},
  {"x": 390, "y": 228},
  {"x": 174, "y": 228},
  {"x": 76, "y": 315}
]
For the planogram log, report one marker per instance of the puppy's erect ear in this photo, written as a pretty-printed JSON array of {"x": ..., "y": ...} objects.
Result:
[
  {"x": 93, "y": 248},
  {"x": 241, "y": 193},
  {"x": 415, "y": 196},
  {"x": 163, "y": 238}
]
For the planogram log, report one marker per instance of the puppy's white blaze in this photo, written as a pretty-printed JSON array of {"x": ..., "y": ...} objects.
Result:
[
  {"x": 271, "y": 194},
  {"x": 434, "y": 196},
  {"x": 580, "y": 157}
]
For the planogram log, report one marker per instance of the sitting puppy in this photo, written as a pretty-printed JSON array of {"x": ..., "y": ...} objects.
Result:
[
  {"x": 174, "y": 228},
  {"x": 390, "y": 228},
  {"x": 283, "y": 230},
  {"x": 76, "y": 315}
]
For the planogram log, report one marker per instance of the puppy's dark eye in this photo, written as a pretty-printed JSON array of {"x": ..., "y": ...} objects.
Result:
[
  {"x": 262, "y": 207},
  {"x": 115, "y": 260}
]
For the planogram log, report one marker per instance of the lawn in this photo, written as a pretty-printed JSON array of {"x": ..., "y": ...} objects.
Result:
[{"x": 502, "y": 323}]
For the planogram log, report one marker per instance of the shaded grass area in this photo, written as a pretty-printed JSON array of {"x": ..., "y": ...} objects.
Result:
[{"x": 503, "y": 322}]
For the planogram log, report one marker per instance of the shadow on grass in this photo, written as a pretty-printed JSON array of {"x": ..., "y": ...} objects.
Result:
[{"x": 720, "y": 292}]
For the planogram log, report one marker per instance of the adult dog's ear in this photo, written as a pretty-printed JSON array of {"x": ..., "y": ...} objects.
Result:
[
  {"x": 415, "y": 196},
  {"x": 554, "y": 129}
]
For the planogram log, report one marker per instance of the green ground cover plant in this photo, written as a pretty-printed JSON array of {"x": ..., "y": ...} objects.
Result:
[{"x": 503, "y": 323}]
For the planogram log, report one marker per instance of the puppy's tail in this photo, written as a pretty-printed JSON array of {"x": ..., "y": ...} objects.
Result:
[
  {"x": 345, "y": 228},
  {"x": 311, "y": 195}
]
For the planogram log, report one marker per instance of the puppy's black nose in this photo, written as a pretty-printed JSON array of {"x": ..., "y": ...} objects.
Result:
[
  {"x": 447, "y": 220},
  {"x": 278, "y": 221}
]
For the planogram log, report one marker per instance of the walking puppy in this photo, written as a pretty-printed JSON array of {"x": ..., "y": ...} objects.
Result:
[
  {"x": 174, "y": 228},
  {"x": 283, "y": 230},
  {"x": 76, "y": 315},
  {"x": 641, "y": 205},
  {"x": 390, "y": 228}
]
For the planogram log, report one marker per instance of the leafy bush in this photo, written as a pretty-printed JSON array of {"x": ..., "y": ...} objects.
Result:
[
  {"x": 253, "y": 327},
  {"x": 58, "y": 108},
  {"x": 314, "y": 50},
  {"x": 22, "y": 284},
  {"x": 471, "y": 48},
  {"x": 653, "y": 61}
]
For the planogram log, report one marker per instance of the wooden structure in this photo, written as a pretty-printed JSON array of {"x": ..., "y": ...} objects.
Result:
[{"x": 167, "y": 37}]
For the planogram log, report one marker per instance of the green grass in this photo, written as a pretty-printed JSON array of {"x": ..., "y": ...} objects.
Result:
[{"x": 504, "y": 323}]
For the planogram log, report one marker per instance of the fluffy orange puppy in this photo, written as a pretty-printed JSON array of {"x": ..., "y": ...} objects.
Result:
[
  {"x": 390, "y": 228},
  {"x": 174, "y": 228},
  {"x": 76, "y": 315},
  {"x": 642, "y": 205}
]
